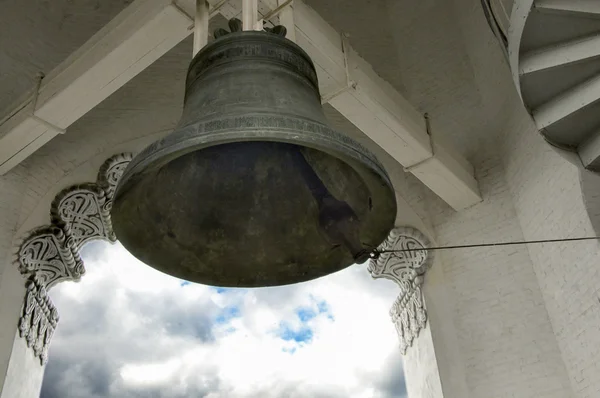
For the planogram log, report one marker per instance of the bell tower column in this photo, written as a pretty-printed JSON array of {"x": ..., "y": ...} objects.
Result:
[
  {"x": 421, "y": 315},
  {"x": 15, "y": 366},
  {"x": 44, "y": 256}
]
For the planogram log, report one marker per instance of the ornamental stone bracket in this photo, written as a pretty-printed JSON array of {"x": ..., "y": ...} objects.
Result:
[
  {"x": 407, "y": 268},
  {"x": 50, "y": 254},
  {"x": 39, "y": 318}
]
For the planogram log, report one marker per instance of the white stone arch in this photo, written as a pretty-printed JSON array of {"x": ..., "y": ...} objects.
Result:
[
  {"x": 49, "y": 254},
  {"x": 67, "y": 166},
  {"x": 74, "y": 159}
]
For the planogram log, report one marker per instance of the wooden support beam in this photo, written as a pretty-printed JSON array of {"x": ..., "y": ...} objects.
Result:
[
  {"x": 132, "y": 41},
  {"x": 147, "y": 29},
  {"x": 384, "y": 115},
  {"x": 201, "y": 25},
  {"x": 249, "y": 14}
]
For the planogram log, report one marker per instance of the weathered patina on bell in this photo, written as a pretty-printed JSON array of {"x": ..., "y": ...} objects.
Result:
[{"x": 253, "y": 188}]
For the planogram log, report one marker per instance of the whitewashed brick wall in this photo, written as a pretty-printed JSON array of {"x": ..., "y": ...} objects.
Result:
[
  {"x": 549, "y": 204},
  {"x": 11, "y": 191},
  {"x": 504, "y": 333},
  {"x": 420, "y": 368}
]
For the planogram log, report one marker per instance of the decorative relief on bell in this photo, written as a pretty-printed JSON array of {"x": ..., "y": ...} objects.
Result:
[
  {"x": 50, "y": 254},
  {"x": 407, "y": 267}
]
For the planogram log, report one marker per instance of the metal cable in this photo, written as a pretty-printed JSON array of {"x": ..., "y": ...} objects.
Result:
[{"x": 376, "y": 252}]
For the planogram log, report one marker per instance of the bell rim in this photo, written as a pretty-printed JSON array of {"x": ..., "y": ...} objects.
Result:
[
  {"x": 367, "y": 165},
  {"x": 162, "y": 152},
  {"x": 373, "y": 183}
]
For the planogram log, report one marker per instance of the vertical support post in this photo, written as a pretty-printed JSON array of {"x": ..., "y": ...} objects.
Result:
[
  {"x": 200, "y": 25},
  {"x": 249, "y": 14},
  {"x": 286, "y": 18}
]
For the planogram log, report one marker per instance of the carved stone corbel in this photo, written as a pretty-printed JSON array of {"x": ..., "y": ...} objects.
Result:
[
  {"x": 50, "y": 254},
  {"x": 39, "y": 318},
  {"x": 407, "y": 269}
]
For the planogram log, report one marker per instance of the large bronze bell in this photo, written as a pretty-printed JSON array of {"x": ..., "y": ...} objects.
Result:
[{"x": 253, "y": 188}]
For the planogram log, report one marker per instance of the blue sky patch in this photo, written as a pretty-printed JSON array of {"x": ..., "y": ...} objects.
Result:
[
  {"x": 302, "y": 335},
  {"x": 305, "y": 314},
  {"x": 184, "y": 283},
  {"x": 323, "y": 307},
  {"x": 230, "y": 330},
  {"x": 227, "y": 314}
]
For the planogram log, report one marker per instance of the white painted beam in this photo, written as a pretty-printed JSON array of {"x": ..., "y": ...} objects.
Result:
[
  {"x": 567, "y": 103},
  {"x": 147, "y": 29},
  {"x": 384, "y": 115},
  {"x": 200, "y": 26},
  {"x": 133, "y": 40},
  {"x": 249, "y": 14},
  {"x": 560, "y": 54},
  {"x": 590, "y": 7},
  {"x": 450, "y": 176}
]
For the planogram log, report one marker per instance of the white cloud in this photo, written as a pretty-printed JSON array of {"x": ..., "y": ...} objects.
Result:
[{"x": 127, "y": 330}]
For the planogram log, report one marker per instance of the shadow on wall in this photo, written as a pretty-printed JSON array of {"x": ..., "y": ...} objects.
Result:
[{"x": 590, "y": 190}]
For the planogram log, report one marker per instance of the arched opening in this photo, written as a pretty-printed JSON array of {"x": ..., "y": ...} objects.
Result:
[{"x": 127, "y": 330}]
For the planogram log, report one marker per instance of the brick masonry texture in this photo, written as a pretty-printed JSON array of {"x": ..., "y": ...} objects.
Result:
[
  {"x": 548, "y": 201},
  {"x": 504, "y": 332}
]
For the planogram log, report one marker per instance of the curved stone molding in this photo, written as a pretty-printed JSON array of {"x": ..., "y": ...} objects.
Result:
[
  {"x": 39, "y": 318},
  {"x": 110, "y": 173},
  {"x": 83, "y": 212},
  {"x": 78, "y": 214},
  {"x": 50, "y": 254},
  {"x": 407, "y": 269}
]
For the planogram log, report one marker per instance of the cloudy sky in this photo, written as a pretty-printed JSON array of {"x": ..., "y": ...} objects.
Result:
[{"x": 127, "y": 330}]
